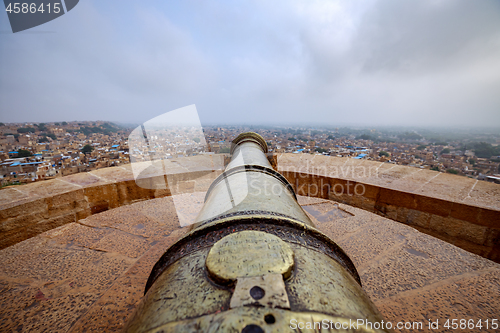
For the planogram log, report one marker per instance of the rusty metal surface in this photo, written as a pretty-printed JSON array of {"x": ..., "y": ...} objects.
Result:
[
  {"x": 250, "y": 183},
  {"x": 250, "y": 168},
  {"x": 249, "y": 253},
  {"x": 287, "y": 229},
  {"x": 252, "y": 189},
  {"x": 266, "y": 290},
  {"x": 249, "y": 136},
  {"x": 318, "y": 284}
]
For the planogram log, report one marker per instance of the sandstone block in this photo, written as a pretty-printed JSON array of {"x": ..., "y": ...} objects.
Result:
[
  {"x": 433, "y": 205},
  {"x": 465, "y": 212},
  {"x": 128, "y": 191},
  {"x": 397, "y": 198},
  {"x": 52, "y": 223},
  {"x": 489, "y": 218},
  {"x": 417, "y": 218},
  {"x": 106, "y": 192},
  {"x": 21, "y": 221},
  {"x": 35, "y": 206}
]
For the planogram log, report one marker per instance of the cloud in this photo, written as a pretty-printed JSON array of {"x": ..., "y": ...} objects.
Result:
[
  {"x": 95, "y": 69},
  {"x": 374, "y": 62}
]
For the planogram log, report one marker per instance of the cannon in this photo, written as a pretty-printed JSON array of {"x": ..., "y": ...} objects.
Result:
[{"x": 254, "y": 262}]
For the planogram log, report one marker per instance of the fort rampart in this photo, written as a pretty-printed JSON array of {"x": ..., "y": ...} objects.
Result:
[{"x": 459, "y": 210}]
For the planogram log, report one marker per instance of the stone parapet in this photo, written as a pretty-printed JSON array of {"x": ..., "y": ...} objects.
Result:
[
  {"x": 90, "y": 276},
  {"x": 29, "y": 210},
  {"x": 459, "y": 210}
]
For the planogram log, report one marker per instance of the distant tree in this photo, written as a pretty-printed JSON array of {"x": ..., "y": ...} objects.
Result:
[
  {"x": 2, "y": 124},
  {"x": 292, "y": 139},
  {"x": 383, "y": 153},
  {"x": 110, "y": 127},
  {"x": 453, "y": 171},
  {"x": 445, "y": 151},
  {"x": 26, "y": 130},
  {"x": 64, "y": 123},
  {"x": 57, "y": 124},
  {"x": 435, "y": 168},
  {"x": 320, "y": 150},
  {"x": 410, "y": 136},
  {"x": 24, "y": 153},
  {"x": 485, "y": 150},
  {"x": 41, "y": 127},
  {"x": 471, "y": 161},
  {"x": 52, "y": 136},
  {"x": 330, "y": 137},
  {"x": 197, "y": 140},
  {"x": 87, "y": 149},
  {"x": 43, "y": 139},
  {"x": 364, "y": 137},
  {"x": 421, "y": 147}
]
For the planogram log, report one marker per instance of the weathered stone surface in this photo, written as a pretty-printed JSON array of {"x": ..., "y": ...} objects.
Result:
[
  {"x": 414, "y": 181},
  {"x": 89, "y": 276},
  {"x": 325, "y": 212},
  {"x": 420, "y": 261},
  {"x": 309, "y": 200},
  {"x": 484, "y": 194},
  {"x": 20, "y": 209},
  {"x": 97, "y": 195},
  {"x": 448, "y": 187},
  {"x": 459, "y": 229},
  {"x": 113, "y": 308},
  {"x": 470, "y": 296},
  {"x": 47, "y": 188},
  {"x": 78, "y": 234},
  {"x": 113, "y": 174},
  {"x": 130, "y": 245},
  {"x": 83, "y": 179},
  {"x": 11, "y": 195}
]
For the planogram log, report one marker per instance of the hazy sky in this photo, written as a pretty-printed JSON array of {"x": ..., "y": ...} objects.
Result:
[{"x": 387, "y": 62}]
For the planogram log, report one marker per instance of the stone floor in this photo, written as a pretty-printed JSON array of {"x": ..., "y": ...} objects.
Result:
[{"x": 89, "y": 276}]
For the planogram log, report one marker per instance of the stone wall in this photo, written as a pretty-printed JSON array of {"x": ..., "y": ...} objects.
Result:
[
  {"x": 29, "y": 210},
  {"x": 459, "y": 210},
  {"x": 456, "y": 209}
]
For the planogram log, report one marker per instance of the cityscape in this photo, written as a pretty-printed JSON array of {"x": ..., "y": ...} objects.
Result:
[{"x": 32, "y": 152}]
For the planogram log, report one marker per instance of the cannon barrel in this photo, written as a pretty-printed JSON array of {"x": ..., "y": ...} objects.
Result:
[{"x": 254, "y": 262}]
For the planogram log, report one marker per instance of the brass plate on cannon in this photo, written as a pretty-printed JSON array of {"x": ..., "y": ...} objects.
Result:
[
  {"x": 249, "y": 253},
  {"x": 266, "y": 290}
]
